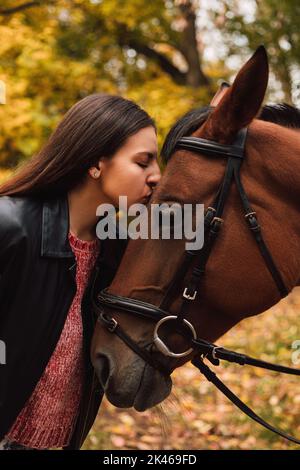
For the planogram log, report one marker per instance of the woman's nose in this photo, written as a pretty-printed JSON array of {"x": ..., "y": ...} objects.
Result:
[{"x": 155, "y": 175}]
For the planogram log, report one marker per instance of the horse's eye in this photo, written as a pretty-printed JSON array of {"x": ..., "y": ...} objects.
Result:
[{"x": 169, "y": 219}]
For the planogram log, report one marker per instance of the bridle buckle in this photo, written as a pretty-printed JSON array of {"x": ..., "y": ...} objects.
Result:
[
  {"x": 252, "y": 221},
  {"x": 110, "y": 323},
  {"x": 217, "y": 221},
  {"x": 214, "y": 351},
  {"x": 187, "y": 296},
  {"x": 112, "y": 326}
]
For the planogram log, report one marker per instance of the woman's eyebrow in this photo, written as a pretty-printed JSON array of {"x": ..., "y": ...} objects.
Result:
[{"x": 150, "y": 155}]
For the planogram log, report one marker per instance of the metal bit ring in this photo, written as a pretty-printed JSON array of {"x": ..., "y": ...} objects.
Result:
[{"x": 162, "y": 347}]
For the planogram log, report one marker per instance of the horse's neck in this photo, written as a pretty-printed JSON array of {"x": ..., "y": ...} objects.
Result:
[{"x": 275, "y": 160}]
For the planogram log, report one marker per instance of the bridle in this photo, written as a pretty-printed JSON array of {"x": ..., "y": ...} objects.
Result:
[{"x": 196, "y": 260}]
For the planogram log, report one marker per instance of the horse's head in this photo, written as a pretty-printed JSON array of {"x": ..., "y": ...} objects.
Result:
[{"x": 237, "y": 282}]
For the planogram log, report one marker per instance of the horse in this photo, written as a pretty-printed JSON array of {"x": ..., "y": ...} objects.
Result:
[{"x": 235, "y": 279}]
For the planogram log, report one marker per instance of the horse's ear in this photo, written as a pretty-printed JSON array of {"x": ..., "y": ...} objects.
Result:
[
  {"x": 219, "y": 94},
  {"x": 241, "y": 102}
]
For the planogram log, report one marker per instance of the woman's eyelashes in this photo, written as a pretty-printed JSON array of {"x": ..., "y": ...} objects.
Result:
[{"x": 142, "y": 165}]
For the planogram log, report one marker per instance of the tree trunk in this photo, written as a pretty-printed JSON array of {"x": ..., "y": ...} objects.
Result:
[{"x": 189, "y": 46}]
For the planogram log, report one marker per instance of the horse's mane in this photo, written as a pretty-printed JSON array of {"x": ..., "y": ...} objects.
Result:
[{"x": 282, "y": 114}]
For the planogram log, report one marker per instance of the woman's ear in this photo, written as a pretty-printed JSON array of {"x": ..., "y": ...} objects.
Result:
[
  {"x": 240, "y": 103},
  {"x": 95, "y": 171}
]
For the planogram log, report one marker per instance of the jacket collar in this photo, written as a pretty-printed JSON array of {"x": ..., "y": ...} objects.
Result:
[{"x": 55, "y": 229}]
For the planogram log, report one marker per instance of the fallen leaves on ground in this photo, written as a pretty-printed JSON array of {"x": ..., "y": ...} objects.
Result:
[{"x": 197, "y": 416}]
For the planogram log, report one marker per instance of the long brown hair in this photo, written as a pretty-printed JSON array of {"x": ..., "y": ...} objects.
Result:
[{"x": 95, "y": 127}]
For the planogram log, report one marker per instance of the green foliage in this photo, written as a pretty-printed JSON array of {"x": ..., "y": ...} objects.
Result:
[
  {"x": 167, "y": 102},
  {"x": 274, "y": 24},
  {"x": 59, "y": 52},
  {"x": 54, "y": 56}
]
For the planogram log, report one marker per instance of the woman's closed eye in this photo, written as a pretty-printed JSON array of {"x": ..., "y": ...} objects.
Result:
[{"x": 142, "y": 165}]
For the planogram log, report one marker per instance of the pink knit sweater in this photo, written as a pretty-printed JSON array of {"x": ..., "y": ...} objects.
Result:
[{"x": 48, "y": 418}]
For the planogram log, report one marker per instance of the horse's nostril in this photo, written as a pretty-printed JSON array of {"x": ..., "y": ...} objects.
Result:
[{"x": 102, "y": 369}]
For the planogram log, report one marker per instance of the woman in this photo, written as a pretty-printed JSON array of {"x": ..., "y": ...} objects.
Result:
[{"x": 51, "y": 262}]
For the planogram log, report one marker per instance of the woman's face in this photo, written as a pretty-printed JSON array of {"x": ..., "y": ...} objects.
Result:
[{"x": 133, "y": 170}]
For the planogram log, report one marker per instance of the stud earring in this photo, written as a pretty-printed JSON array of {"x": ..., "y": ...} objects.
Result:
[{"x": 96, "y": 174}]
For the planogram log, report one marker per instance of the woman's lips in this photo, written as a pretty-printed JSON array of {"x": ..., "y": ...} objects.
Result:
[{"x": 146, "y": 198}]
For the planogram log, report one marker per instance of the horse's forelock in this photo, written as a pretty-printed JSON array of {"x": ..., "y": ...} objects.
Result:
[{"x": 185, "y": 126}]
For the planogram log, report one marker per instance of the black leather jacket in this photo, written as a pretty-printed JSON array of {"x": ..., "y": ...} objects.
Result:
[{"x": 37, "y": 286}]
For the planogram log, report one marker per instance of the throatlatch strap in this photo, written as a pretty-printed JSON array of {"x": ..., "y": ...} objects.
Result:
[{"x": 256, "y": 231}]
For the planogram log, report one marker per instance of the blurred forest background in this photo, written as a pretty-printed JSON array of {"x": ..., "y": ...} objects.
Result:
[{"x": 169, "y": 56}]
